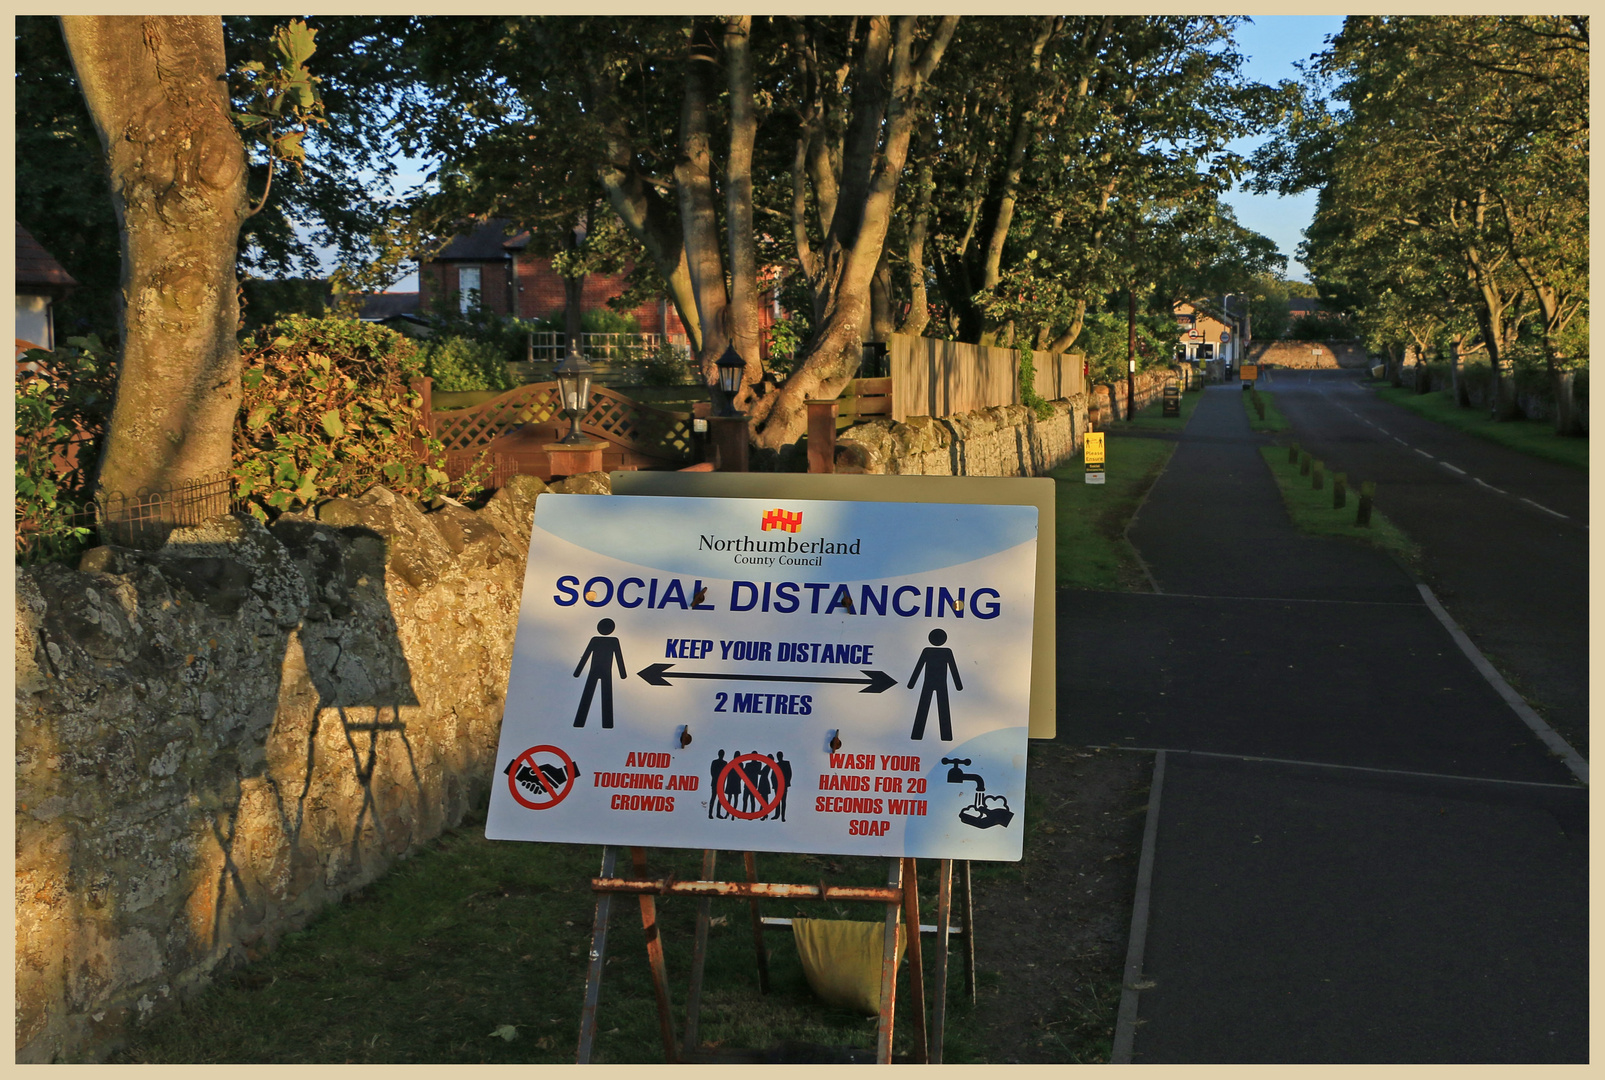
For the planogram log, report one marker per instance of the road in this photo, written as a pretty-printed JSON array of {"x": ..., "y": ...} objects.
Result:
[
  {"x": 1358, "y": 852},
  {"x": 1504, "y": 535}
]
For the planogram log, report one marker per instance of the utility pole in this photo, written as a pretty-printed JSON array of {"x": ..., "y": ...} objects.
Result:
[{"x": 1131, "y": 353}]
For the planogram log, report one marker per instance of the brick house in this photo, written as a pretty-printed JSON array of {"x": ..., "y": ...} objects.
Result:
[
  {"x": 41, "y": 281},
  {"x": 493, "y": 262}
]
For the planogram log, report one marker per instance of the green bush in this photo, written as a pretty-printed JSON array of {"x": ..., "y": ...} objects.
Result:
[
  {"x": 668, "y": 365},
  {"x": 328, "y": 410},
  {"x": 63, "y": 402},
  {"x": 463, "y": 363}
]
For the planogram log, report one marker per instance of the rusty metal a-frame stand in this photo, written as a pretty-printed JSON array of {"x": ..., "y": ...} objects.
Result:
[{"x": 900, "y": 895}]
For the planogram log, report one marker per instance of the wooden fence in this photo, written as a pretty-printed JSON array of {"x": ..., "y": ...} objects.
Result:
[{"x": 946, "y": 378}]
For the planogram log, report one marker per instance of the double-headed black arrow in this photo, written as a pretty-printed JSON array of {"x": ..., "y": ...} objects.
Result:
[{"x": 659, "y": 675}]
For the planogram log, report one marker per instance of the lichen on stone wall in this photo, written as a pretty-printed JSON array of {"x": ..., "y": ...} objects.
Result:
[{"x": 218, "y": 739}]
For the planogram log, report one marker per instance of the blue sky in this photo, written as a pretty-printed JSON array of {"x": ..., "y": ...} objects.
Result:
[{"x": 1272, "y": 44}]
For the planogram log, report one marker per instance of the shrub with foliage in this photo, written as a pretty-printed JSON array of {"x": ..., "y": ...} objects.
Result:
[
  {"x": 1028, "y": 387},
  {"x": 329, "y": 410},
  {"x": 64, "y": 400},
  {"x": 668, "y": 365},
  {"x": 461, "y": 363}
]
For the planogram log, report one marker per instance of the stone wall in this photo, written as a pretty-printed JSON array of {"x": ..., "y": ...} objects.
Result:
[
  {"x": 1308, "y": 354},
  {"x": 1108, "y": 402},
  {"x": 1005, "y": 440},
  {"x": 218, "y": 739}
]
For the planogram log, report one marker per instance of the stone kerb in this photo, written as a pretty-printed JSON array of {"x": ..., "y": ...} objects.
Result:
[{"x": 218, "y": 739}]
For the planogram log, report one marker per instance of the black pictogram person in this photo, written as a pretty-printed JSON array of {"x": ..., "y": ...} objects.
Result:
[
  {"x": 732, "y": 782},
  {"x": 714, "y": 770},
  {"x": 602, "y": 652},
  {"x": 785, "y": 791},
  {"x": 936, "y": 662}
]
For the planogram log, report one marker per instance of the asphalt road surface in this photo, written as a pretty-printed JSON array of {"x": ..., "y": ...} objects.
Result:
[
  {"x": 1504, "y": 535},
  {"x": 1361, "y": 854}
]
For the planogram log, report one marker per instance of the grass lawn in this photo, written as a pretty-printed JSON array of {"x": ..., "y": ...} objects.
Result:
[
  {"x": 1093, "y": 552},
  {"x": 1274, "y": 420},
  {"x": 1535, "y": 437},
  {"x": 1312, "y": 510},
  {"x": 470, "y": 937}
]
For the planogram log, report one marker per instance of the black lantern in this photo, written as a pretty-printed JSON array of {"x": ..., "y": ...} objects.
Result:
[
  {"x": 574, "y": 387},
  {"x": 731, "y": 369}
]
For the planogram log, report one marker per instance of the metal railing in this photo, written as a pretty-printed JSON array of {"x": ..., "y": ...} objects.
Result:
[
  {"x": 143, "y": 519},
  {"x": 551, "y": 345}
]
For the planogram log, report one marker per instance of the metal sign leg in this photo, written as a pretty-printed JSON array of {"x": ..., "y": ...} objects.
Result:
[
  {"x": 654, "y": 954},
  {"x": 593, "y": 975},
  {"x": 751, "y": 861},
  {"x": 883, "y": 1035},
  {"x": 944, "y": 913},
  {"x": 699, "y": 958}
]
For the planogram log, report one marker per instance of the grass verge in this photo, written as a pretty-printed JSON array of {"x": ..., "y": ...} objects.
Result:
[
  {"x": 1535, "y": 437},
  {"x": 1312, "y": 511},
  {"x": 1274, "y": 420},
  {"x": 1093, "y": 552},
  {"x": 471, "y": 937},
  {"x": 1152, "y": 417}
]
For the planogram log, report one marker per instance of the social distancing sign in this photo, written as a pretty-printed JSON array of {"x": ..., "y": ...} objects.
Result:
[{"x": 767, "y": 630}]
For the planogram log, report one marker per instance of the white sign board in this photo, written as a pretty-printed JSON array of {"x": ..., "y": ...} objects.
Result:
[{"x": 764, "y": 629}]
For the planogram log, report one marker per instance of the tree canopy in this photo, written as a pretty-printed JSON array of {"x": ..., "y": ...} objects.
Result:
[{"x": 1453, "y": 179}]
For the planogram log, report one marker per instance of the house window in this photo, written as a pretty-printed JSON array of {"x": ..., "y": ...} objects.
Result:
[{"x": 468, "y": 288}]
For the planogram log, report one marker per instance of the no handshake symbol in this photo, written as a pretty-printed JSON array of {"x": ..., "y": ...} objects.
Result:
[
  {"x": 547, "y": 782},
  {"x": 768, "y": 773}
]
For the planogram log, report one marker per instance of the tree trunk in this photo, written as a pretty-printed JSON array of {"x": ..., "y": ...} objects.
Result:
[
  {"x": 699, "y": 220},
  {"x": 880, "y": 299},
  {"x": 743, "y": 321},
  {"x": 155, "y": 88},
  {"x": 919, "y": 306},
  {"x": 1457, "y": 381},
  {"x": 887, "y": 88}
]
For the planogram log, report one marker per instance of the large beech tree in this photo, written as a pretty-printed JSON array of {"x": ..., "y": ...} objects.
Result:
[{"x": 156, "y": 92}]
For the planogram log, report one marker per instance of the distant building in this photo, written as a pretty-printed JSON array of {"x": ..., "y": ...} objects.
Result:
[
  {"x": 491, "y": 266},
  {"x": 1202, "y": 336},
  {"x": 41, "y": 281},
  {"x": 398, "y": 310}
]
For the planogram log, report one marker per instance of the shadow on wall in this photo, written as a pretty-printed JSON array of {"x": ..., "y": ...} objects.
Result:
[{"x": 217, "y": 739}]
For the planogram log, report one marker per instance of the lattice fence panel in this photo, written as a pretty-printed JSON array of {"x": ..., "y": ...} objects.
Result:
[{"x": 654, "y": 432}]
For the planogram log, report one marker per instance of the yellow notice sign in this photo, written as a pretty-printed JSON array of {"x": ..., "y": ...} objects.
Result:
[
  {"x": 1094, "y": 450},
  {"x": 1250, "y": 372}
]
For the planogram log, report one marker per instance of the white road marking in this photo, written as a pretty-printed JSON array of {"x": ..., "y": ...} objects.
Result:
[
  {"x": 1489, "y": 486},
  {"x": 1451, "y": 468},
  {"x": 1400, "y": 441},
  {"x": 1424, "y": 454},
  {"x": 1550, "y": 737},
  {"x": 1545, "y": 509}
]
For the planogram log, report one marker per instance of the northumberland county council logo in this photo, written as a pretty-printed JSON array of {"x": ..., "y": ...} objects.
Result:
[{"x": 782, "y": 519}]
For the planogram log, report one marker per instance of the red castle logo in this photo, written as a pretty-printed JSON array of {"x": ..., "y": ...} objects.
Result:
[{"x": 782, "y": 519}]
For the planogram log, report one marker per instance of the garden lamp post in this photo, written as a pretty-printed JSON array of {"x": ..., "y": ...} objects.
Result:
[
  {"x": 732, "y": 368},
  {"x": 728, "y": 427},
  {"x": 574, "y": 387}
]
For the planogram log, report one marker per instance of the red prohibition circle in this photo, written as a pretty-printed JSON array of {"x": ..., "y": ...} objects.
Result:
[
  {"x": 529, "y": 756},
  {"x": 768, "y": 808}
]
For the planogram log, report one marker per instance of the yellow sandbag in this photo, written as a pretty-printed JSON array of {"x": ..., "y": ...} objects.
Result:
[{"x": 842, "y": 960}]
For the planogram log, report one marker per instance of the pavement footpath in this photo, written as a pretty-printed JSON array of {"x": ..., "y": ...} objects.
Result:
[{"x": 1357, "y": 851}]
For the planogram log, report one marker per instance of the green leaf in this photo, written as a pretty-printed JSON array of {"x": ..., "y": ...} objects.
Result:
[
  {"x": 259, "y": 416},
  {"x": 506, "y": 1032},
  {"x": 332, "y": 424}
]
